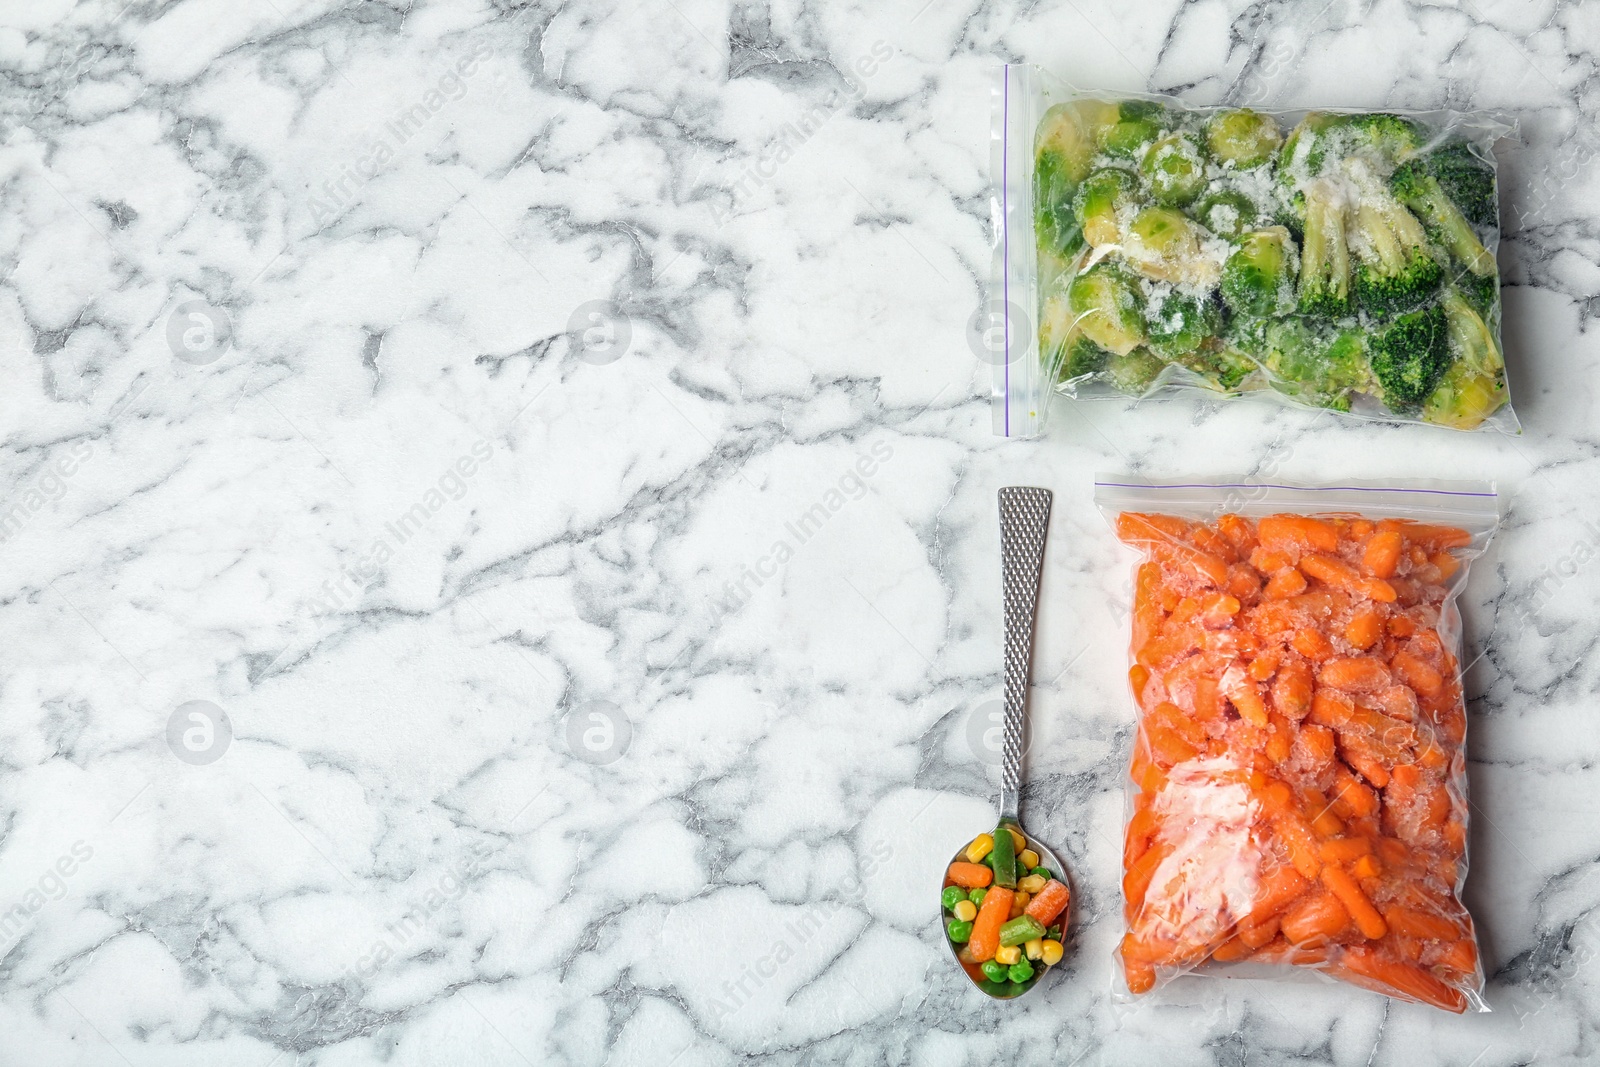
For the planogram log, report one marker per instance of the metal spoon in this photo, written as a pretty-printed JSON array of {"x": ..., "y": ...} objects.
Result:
[{"x": 1024, "y": 521}]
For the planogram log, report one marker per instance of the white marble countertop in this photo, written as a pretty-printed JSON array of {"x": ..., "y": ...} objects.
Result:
[{"x": 537, "y": 725}]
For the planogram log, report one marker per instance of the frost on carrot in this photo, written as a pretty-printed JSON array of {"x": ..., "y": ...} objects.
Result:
[{"x": 1299, "y": 764}]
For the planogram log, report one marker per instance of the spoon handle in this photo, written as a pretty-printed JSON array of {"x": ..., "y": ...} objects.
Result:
[{"x": 1024, "y": 521}]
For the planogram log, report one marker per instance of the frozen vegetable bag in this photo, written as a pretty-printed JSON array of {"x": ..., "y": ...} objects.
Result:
[
  {"x": 1297, "y": 792},
  {"x": 1329, "y": 259}
]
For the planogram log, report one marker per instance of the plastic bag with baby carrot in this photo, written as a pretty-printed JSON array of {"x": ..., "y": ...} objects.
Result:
[{"x": 1297, "y": 787}]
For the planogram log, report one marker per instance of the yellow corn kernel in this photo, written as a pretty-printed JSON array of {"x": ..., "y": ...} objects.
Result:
[
  {"x": 1028, "y": 858},
  {"x": 1007, "y": 955},
  {"x": 1031, "y": 884},
  {"x": 1050, "y": 952},
  {"x": 1018, "y": 842},
  {"x": 1034, "y": 949},
  {"x": 965, "y": 911},
  {"x": 1019, "y": 901},
  {"x": 981, "y": 846}
]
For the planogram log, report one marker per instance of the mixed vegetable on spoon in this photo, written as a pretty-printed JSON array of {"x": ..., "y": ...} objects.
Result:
[{"x": 1006, "y": 912}]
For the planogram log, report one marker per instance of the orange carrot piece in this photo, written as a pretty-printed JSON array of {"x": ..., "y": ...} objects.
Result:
[
  {"x": 1461, "y": 956},
  {"x": 1341, "y": 885},
  {"x": 1231, "y": 950},
  {"x": 1425, "y": 926},
  {"x": 1245, "y": 696},
  {"x": 1312, "y": 644},
  {"x": 1292, "y": 690},
  {"x": 1418, "y": 673},
  {"x": 1354, "y": 674},
  {"x": 992, "y": 914},
  {"x": 1136, "y": 528},
  {"x": 1301, "y": 841},
  {"x": 1364, "y": 628},
  {"x": 1317, "y": 917},
  {"x": 1340, "y": 575},
  {"x": 1344, "y": 850},
  {"x": 1285, "y": 583},
  {"x": 1048, "y": 902},
  {"x": 1353, "y": 795},
  {"x": 1402, "y": 979},
  {"x": 1382, "y": 554},
  {"x": 970, "y": 875},
  {"x": 1277, "y": 891},
  {"x": 1295, "y": 533}
]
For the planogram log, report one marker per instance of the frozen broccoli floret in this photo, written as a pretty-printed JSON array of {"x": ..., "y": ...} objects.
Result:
[
  {"x": 1225, "y": 212},
  {"x": 1108, "y": 307},
  {"x": 1098, "y": 202},
  {"x": 1409, "y": 356},
  {"x": 1134, "y": 372},
  {"x": 1257, "y": 279},
  {"x": 1138, "y": 123},
  {"x": 1324, "y": 254},
  {"x": 1221, "y": 367},
  {"x": 1475, "y": 385},
  {"x": 1482, "y": 293},
  {"x": 1242, "y": 137},
  {"x": 1166, "y": 245},
  {"x": 1391, "y": 138},
  {"x": 1420, "y": 191},
  {"x": 1396, "y": 270},
  {"x": 1471, "y": 339},
  {"x": 1464, "y": 397},
  {"x": 1177, "y": 323},
  {"x": 1317, "y": 366},
  {"x": 1467, "y": 180},
  {"x": 1063, "y": 159},
  {"x": 1082, "y": 357},
  {"x": 1173, "y": 168}
]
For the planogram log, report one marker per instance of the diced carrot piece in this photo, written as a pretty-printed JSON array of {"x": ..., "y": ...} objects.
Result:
[
  {"x": 1340, "y": 575},
  {"x": 1277, "y": 891},
  {"x": 1418, "y": 673},
  {"x": 1231, "y": 951},
  {"x": 970, "y": 875},
  {"x": 1426, "y": 926},
  {"x": 1141, "y": 977},
  {"x": 1284, "y": 583},
  {"x": 1364, "y": 628},
  {"x": 1295, "y": 533},
  {"x": 1292, "y": 690},
  {"x": 1461, "y": 956},
  {"x": 1136, "y": 528},
  {"x": 1048, "y": 902},
  {"x": 1330, "y": 708},
  {"x": 992, "y": 914},
  {"x": 1341, "y": 885},
  {"x": 1366, "y": 867},
  {"x": 1344, "y": 850},
  {"x": 1447, "y": 564},
  {"x": 1312, "y": 644},
  {"x": 1317, "y": 917},
  {"x": 1301, "y": 841},
  {"x": 1402, "y": 979},
  {"x": 1354, "y": 674},
  {"x": 1382, "y": 554},
  {"x": 1353, "y": 795}
]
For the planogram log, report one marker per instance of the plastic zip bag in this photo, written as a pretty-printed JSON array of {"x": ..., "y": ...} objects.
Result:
[
  {"x": 1327, "y": 259},
  {"x": 1297, "y": 790}
]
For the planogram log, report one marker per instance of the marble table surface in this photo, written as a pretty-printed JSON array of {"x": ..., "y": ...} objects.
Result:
[{"x": 416, "y": 648}]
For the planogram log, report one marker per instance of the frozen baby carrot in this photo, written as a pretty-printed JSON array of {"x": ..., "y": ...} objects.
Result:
[{"x": 1298, "y": 756}]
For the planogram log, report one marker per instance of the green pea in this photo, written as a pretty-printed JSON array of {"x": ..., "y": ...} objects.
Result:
[
  {"x": 1043, "y": 872},
  {"x": 958, "y": 931},
  {"x": 1021, "y": 971},
  {"x": 995, "y": 972},
  {"x": 977, "y": 895},
  {"x": 951, "y": 896}
]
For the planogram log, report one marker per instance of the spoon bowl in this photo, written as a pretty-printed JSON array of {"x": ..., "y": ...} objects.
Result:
[{"x": 1009, "y": 990}]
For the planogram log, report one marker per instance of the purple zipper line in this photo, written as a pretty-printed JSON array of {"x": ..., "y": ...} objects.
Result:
[
  {"x": 1298, "y": 488},
  {"x": 1005, "y": 223}
]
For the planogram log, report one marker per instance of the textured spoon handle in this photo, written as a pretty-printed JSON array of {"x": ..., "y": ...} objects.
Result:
[{"x": 1024, "y": 521}]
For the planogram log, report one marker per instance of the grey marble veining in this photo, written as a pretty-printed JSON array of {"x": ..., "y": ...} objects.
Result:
[{"x": 500, "y": 558}]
